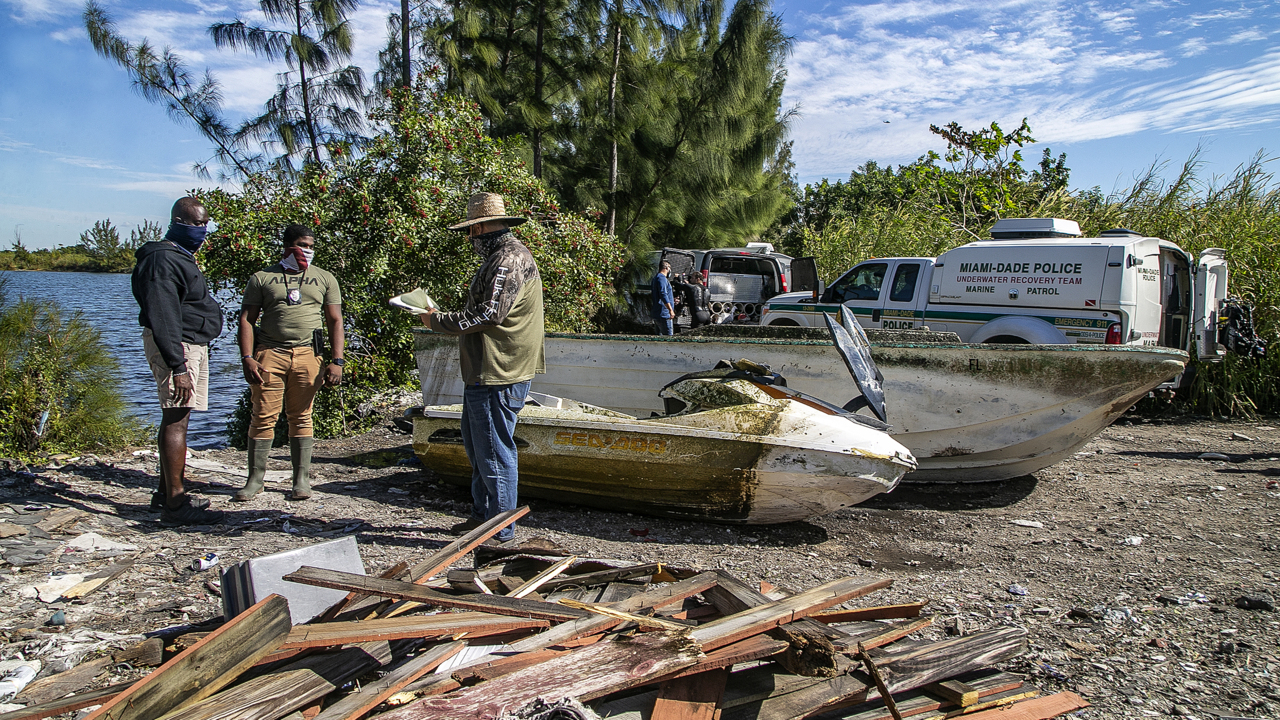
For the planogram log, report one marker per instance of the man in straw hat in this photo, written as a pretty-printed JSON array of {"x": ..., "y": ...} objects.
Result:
[{"x": 501, "y": 349}]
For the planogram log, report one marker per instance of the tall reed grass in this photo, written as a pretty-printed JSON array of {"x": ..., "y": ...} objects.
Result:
[{"x": 1239, "y": 213}]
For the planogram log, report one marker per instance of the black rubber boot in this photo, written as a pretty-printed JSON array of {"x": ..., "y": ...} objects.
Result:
[
  {"x": 300, "y": 453},
  {"x": 259, "y": 451}
]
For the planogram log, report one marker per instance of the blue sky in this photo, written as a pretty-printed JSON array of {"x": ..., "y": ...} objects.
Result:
[{"x": 1116, "y": 86}]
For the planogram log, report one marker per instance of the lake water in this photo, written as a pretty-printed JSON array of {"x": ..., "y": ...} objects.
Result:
[{"x": 108, "y": 304}]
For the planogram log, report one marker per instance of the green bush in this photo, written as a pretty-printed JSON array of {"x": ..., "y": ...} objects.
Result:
[
  {"x": 55, "y": 362},
  {"x": 380, "y": 220}
]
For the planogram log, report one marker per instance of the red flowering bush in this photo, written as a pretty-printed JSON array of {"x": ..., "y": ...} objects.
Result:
[{"x": 380, "y": 219}]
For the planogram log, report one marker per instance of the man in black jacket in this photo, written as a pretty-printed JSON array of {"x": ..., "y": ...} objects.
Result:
[{"x": 179, "y": 318}]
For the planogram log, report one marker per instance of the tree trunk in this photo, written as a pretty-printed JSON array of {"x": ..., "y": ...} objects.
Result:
[
  {"x": 302, "y": 79},
  {"x": 537, "y": 93},
  {"x": 611, "y": 225},
  {"x": 406, "y": 73}
]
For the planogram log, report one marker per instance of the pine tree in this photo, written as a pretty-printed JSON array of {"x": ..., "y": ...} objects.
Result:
[{"x": 324, "y": 103}]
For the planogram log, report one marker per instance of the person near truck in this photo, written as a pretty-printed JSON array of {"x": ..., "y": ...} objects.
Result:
[
  {"x": 501, "y": 349},
  {"x": 664, "y": 311},
  {"x": 179, "y": 318},
  {"x": 697, "y": 299},
  {"x": 281, "y": 357}
]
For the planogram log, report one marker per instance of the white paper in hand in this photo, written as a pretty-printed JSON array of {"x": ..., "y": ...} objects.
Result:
[{"x": 416, "y": 302}]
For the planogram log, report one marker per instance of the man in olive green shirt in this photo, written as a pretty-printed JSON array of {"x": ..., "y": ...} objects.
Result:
[
  {"x": 501, "y": 348},
  {"x": 295, "y": 299}
]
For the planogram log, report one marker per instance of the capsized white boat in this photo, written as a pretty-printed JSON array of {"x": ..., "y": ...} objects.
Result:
[
  {"x": 741, "y": 449},
  {"x": 968, "y": 412}
]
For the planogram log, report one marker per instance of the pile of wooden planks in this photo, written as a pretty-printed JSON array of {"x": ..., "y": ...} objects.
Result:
[{"x": 536, "y": 634}]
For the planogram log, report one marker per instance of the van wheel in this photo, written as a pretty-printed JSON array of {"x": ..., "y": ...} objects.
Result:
[
  {"x": 1006, "y": 340},
  {"x": 784, "y": 322}
]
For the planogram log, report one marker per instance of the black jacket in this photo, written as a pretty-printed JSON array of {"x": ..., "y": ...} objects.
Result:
[{"x": 174, "y": 301}]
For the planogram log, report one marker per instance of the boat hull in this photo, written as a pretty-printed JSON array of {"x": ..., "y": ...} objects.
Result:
[
  {"x": 969, "y": 413},
  {"x": 679, "y": 470}
]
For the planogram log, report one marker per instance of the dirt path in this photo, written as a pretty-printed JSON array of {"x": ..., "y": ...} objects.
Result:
[{"x": 1124, "y": 563}]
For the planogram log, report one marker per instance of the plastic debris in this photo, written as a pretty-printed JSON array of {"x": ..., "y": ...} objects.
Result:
[
  {"x": 1028, "y": 523},
  {"x": 204, "y": 562},
  {"x": 16, "y": 679},
  {"x": 1016, "y": 589},
  {"x": 58, "y": 618},
  {"x": 52, "y": 589},
  {"x": 1131, "y": 540}
]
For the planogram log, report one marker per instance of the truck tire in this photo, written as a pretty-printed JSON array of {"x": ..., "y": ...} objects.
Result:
[
  {"x": 1019, "y": 329},
  {"x": 784, "y": 322}
]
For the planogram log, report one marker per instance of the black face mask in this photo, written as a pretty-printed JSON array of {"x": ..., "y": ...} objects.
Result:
[
  {"x": 486, "y": 243},
  {"x": 187, "y": 237}
]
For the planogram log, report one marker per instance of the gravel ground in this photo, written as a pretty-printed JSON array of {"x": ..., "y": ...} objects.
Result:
[{"x": 1124, "y": 563}]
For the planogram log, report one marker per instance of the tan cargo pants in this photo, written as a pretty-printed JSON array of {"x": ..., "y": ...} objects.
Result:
[{"x": 290, "y": 377}]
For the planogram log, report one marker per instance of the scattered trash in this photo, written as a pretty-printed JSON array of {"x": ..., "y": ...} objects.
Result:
[
  {"x": 1214, "y": 456},
  {"x": 93, "y": 542},
  {"x": 16, "y": 679},
  {"x": 255, "y": 521},
  {"x": 58, "y": 618},
  {"x": 142, "y": 453},
  {"x": 1018, "y": 590},
  {"x": 287, "y": 527},
  {"x": 1239, "y": 436},
  {"x": 1028, "y": 523},
  {"x": 1261, "y": 601},
  {"x": 51, "y": 590},
  {"x": 245, "y": 583},
  {"x": 204, "y": 562},
  {"x": 1042, "y": 611},
  {"x": 1131, "y": 540}
]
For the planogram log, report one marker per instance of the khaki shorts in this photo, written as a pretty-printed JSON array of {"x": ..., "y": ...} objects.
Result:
[{"x": 197, "y": 366}]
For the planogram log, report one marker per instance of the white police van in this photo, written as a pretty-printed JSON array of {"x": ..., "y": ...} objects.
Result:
[{"x": 1035, "y": 281}]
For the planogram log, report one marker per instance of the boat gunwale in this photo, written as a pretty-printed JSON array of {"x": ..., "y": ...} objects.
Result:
[{"x": 1011, "y": 347}]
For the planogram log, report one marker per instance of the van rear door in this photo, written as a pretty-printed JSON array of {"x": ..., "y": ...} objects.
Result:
[
  {"x": 804, "y": 276},
  {"x": 1211, "y": 290}
]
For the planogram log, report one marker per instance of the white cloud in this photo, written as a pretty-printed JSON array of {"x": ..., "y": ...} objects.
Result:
[
  {"x": 1058, "y": 63},
  {"x": 29, "y": 11}
]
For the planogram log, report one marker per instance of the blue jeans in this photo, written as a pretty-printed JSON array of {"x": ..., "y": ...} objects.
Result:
[
  {"x": 488, "y": 433},
  {"x": 664, "y": 326}
]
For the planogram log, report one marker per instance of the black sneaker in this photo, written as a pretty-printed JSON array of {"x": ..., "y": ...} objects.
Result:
[
  {"x": 189, "y": 514},
  {"x": 465, "y": 527},
  {"x": 157, "y": 502}
]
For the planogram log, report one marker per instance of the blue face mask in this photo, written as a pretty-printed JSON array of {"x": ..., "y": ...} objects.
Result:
[{"x": 187, "y": 237}]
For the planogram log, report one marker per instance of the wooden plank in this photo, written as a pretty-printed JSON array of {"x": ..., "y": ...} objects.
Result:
[
  {"x": 443, "y": 558},
  {"x": 206, "y": 667},
  {"x": 892, "y": 633},
  {"x": 66, "y": 704},
  {"x": 954, "y": 691},
  {"x": 811, "y": 650},
  {"x": 880, "y": 612},
  {"x": 370, "y": 696},
  {"x": 691, "y": 697},
  {"x": 600, "y": 577},
  {"x": 921, "y": 665},
  {"x": 428, "y": 626},
  {"x": 1041, "y": 708},
  {"x": 148, "y": 653},
  {"x": 997, "y": 700},
  {"x": 482, "y": 672},
  {"x": 656, "y": 598},
  {"x": 63, "y": 684},
  {"x": 585, "y": 674},
  {"x": 991, "y": 684},
  {"x": 718, "y": 633},
  {"x": 395, "y": 572},
  {"x": 298, "y": 685},
  {"x": 542, "y": 578},
  {"x": 496, "y": 604},
  {"x": 96, "y": 581}
]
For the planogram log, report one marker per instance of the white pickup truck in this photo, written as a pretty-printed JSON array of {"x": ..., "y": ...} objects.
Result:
[{"x": 1035, "y": 281}]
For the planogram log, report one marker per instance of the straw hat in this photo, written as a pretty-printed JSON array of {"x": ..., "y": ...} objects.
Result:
[{"x": 487, "y": 207}]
